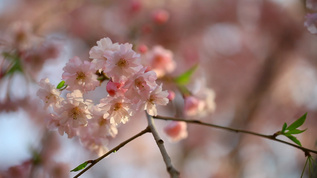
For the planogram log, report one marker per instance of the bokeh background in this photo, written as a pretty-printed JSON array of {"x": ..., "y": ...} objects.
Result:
[{"x": 256, "y": 55}]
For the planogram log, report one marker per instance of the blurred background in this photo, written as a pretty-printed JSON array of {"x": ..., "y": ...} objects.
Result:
[{"x": 256, "y": 55}]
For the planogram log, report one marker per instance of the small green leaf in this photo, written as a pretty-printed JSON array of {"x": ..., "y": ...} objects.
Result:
[
  {"x": 184, "y": 78},
  {"x": 297, "y": 123},
  {"x": 80, "y": 167},
  {"x": 294, "y": 139},
  {"x": 61, "y": 84},
  {"x": 296, "y": 131},
  {"x": 284, "y": 127}
]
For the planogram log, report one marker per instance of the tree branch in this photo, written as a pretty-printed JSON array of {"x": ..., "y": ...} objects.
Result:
[
  {"x": 160, "y": 143},
  {"x": 95, "y": 161},
  {"x": 271, "y": 137}
]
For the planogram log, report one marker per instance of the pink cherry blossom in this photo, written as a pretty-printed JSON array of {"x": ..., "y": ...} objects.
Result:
[
  {"x": 97, "y": 53},
  {"x": 140, "y": 85},
  {"x": 160, "y": 60},
  {"x": 49, "y": 94},
  {"x": 53, "y": 122},
  {"x": 74, "y": 111},
  {"x": 95, "y": 135},
  {"x": 122, "y": 64},
  {"x": 193, "y": 106},
  {"x": 117, "y": 110},
  {"x": 157, "y": 97},
  {"x": 176, "y": 131},
  {"x": 80, "y": 75}
]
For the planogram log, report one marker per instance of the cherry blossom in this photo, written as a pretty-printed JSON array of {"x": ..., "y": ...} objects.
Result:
[
  {"x": 118, "y": 109},
  {"x": 97, "y": 53},
  {"x": 80, "y": 75},
  {"x": 49, "y": 94},
  {"x": 140, "y": 85},
  {"x": 122, "y": 64},
  {"x": 157, "y": 96},
  {"x": 193, "y": 106},
  {"x": 160, "y": 60},
  {"x": 95, "y": 135},
  {"x": 74, "y": 111}
]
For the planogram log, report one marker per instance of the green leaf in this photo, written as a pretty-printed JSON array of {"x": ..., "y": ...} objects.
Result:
[
  {"x": 295, "y": 131},
  {"x": 297, "y": 123},
  {"x": 284, "y": 127},
  {"x": 80, "y": 167},
  {"x": 61, "y": 84},
  {"x": 184, "y": 78},
  {"x": 294, "y": 139}
]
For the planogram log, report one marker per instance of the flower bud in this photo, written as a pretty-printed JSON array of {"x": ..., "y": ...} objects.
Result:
[{"x": 176, "y": 131}]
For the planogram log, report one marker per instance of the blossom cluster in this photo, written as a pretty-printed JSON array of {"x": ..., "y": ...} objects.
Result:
[
  {"x": 24, "y": 51},
  {"x": 131, "y": 88},
  {"x": 311, "y": 19}
]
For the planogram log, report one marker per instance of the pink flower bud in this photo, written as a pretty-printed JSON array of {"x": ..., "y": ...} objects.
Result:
[
  {"x": 192, "y": 105},
  {"x": 171, "y": 95},
  {"x": 113, "y": 87},
  {"x": 142, "y": 49},
  {"x": 160, "y": 16},
  {"x": 176, "y": 131}
]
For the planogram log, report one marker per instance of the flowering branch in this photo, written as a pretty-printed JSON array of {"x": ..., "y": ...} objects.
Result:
[
  {"x": 271, "y": 137},
  {"x": 115, "y": 149},
  {"x": 160, "y": 143}
]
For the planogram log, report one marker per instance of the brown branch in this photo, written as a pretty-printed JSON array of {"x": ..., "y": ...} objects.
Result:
[
  {"x": 271, "y": 137},
  {"x": 115, "y": 149},
  {"x": 160, "y": 143}
]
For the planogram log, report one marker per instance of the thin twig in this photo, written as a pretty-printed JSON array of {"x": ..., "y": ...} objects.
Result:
[
  {"x": 160, "y": 143},
  {"x": 271, "y": 137},
  {"x": 115, "y": 149}
]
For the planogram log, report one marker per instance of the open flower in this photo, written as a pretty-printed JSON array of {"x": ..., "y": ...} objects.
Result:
[
  {"x": 117, "y": 110},
  {"x": 49, "y": 94},
  {"x": 97, "y": 53},
  {"x": 74, "y": 111},
  {"x": 140, "y": 85},
  {"x": 80, "y": 75},
  {"x": 122, "y": 64},
  {"x": 157, "y": 96}
]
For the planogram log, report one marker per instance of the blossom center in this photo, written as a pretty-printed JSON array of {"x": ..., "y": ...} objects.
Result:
[
  {"x": 122, "y": 63},
  {"x": 80, "y": 75},
  {"x": 139, "y": 83},
  {"x": 102, "y": 122},
  {"x": 75, "y": 112},
  {"x": 117, "y": 106}
]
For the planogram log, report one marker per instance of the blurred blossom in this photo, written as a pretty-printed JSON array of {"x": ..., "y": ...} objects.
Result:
[
  {"x": 160, "y": 60},
  {"x": 193, "y": 106},
  {"x": 311, "y": 22},
  {"x": 160, "y": 16},
  {"x": 222, "y": 39},
  {"x": 311, "y": 4},
  {"x": 176, "y": 131}
]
